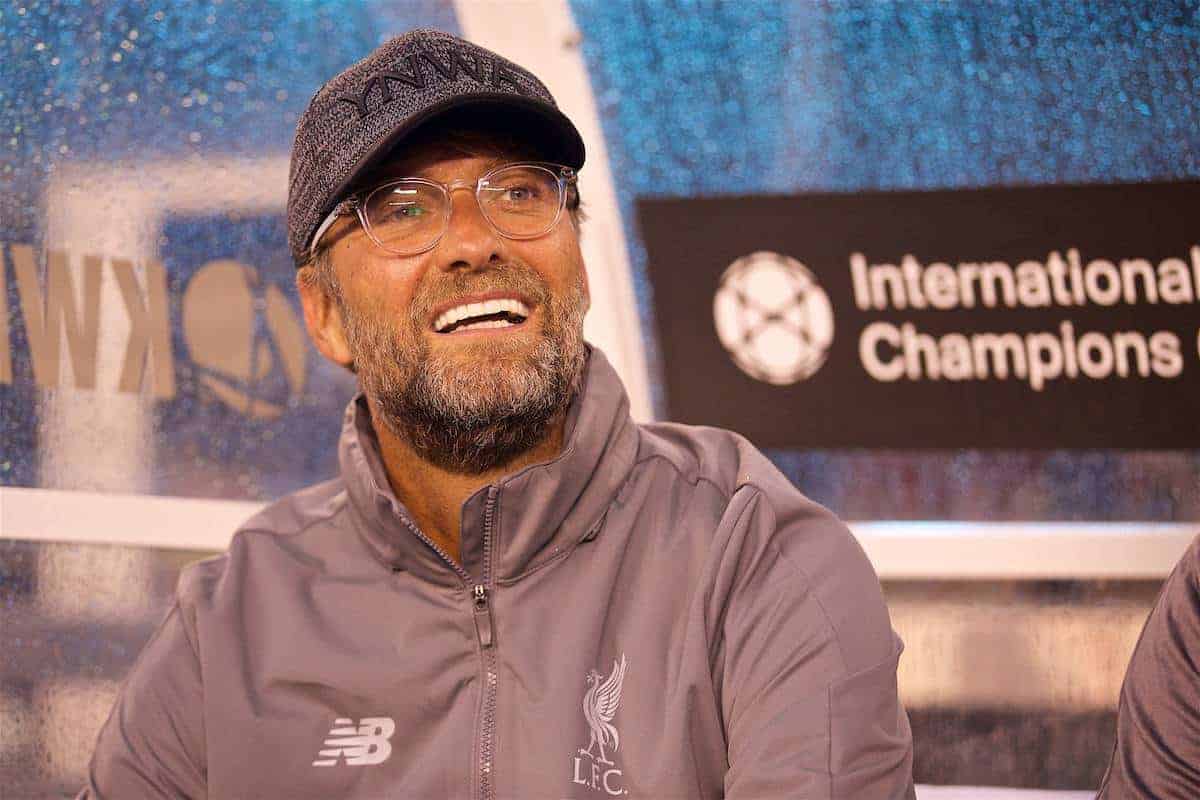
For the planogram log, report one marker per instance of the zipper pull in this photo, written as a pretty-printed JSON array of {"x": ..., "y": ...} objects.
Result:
[{"x": 483, "y": 616}]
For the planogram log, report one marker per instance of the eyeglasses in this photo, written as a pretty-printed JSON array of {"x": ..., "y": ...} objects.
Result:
[{"x": 408, "y": 216}]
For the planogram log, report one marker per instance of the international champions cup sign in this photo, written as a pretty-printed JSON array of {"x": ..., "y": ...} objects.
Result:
[{"x": 1054, "y": 317}]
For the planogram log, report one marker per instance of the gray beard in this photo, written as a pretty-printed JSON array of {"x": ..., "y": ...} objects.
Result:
[{"x": 472, "y": 419}]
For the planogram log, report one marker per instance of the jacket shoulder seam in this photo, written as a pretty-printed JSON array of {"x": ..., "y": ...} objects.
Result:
[
  {"x": 297, "y": 531},
  {"x": 692, "y": 477}
]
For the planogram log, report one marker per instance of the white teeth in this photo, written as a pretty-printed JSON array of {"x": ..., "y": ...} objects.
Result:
[
  {"x": 467, "y": 310},
  {"x": 485, "y": 325}
]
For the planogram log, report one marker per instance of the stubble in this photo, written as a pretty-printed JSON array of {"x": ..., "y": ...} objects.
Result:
[{"x": 473, "y": 407}]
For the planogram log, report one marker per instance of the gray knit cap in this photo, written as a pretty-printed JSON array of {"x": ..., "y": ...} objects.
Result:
[{"x": 357, "y": 118}]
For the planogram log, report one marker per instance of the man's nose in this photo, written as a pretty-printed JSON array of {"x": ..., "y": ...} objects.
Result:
[{"x": 470, "y": 241}]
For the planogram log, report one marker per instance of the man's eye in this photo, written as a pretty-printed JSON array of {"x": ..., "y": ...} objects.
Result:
[
  {"x": 520, "y": 194},
  {"x": 406, "y": 211}
]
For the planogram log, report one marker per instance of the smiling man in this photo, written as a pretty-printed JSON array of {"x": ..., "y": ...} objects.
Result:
[
  {"x": 511, "y": 589},
  {"x": 454, "y": 285}
]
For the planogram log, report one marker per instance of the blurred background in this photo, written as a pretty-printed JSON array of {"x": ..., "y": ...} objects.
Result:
[{"x": 156, "y": 384}]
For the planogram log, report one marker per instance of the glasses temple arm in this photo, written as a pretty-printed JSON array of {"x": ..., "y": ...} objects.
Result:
[{"x": 342, "y": 209}]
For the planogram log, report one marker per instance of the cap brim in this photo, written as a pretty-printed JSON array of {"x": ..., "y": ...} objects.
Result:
[{"x": 546, "y": 129}]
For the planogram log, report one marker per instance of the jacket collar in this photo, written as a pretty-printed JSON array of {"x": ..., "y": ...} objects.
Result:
[{"x": 537, "y": 513}]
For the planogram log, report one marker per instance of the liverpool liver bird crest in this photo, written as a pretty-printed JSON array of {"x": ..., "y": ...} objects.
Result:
[{"x": 599, "y": 705}]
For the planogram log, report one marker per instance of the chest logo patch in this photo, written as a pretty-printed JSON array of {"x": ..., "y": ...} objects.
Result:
[
  {"x": 357, "y": 745},
  {"x": 594, "y": 766}
]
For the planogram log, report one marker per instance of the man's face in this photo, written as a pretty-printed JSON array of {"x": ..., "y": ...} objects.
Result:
[{"x": 468, "y": 398}]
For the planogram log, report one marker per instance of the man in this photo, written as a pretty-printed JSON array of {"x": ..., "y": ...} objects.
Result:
[
  {"x": 1157, "y": 752},
  {"x": 511, "y": 590}
]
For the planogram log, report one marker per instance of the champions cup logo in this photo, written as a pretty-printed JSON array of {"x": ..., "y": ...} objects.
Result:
[
  {"x": 1041, "y": 317},
  {"x": 773, "y": 318}
]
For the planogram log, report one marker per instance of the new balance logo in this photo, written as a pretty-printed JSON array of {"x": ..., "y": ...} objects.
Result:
[{"x": 362, "y": 744}]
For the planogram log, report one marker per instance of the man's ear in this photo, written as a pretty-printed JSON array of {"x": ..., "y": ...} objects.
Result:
[{"x": 323, "y": 318}]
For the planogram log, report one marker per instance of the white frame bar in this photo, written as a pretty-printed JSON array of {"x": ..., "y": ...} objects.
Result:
[
  {"x": 899, "y": 550},
  {"x": 936, "y": 550},
  {"x": 176, "y": 523}
]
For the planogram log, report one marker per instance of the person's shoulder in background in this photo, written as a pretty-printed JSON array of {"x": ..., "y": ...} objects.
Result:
[{"x": 1157, "y": 752}]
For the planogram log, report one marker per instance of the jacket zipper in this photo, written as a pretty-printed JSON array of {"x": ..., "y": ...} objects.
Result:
[
  {"x": 483, "y": 616},
  {"x": 486, "y": 630},
  {"x": 450, "y": 562}
]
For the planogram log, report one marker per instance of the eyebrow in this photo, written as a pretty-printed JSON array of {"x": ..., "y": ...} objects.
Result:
[{"x": 394, "y": 174}]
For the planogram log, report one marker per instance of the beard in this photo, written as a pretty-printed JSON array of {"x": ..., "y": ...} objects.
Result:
[{"x": 475, "y": 407}]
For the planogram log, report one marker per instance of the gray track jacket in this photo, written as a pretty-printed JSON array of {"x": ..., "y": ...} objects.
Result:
[{"x": 656, "y": 613}]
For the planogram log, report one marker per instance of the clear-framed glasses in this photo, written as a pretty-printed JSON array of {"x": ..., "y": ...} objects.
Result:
[{"x": 407, "y": 216}]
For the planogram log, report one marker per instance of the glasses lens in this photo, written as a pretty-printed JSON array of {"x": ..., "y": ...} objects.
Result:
[
  {"x": 406, "y": 216},
  {"x": 521, "y": 201}
]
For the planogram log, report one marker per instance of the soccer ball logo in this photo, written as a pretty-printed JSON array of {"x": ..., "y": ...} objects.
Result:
[{"x": 773, "y": 318}]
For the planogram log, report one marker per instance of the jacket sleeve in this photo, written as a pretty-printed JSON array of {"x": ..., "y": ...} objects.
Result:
[
  {"x": 152, "y": 745},
  {"x": 1157, "y": 752},
  {"x": 807, "y": 659}
]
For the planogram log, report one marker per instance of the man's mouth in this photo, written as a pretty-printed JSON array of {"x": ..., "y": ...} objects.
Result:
[{"x": 500, "y": 312}]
